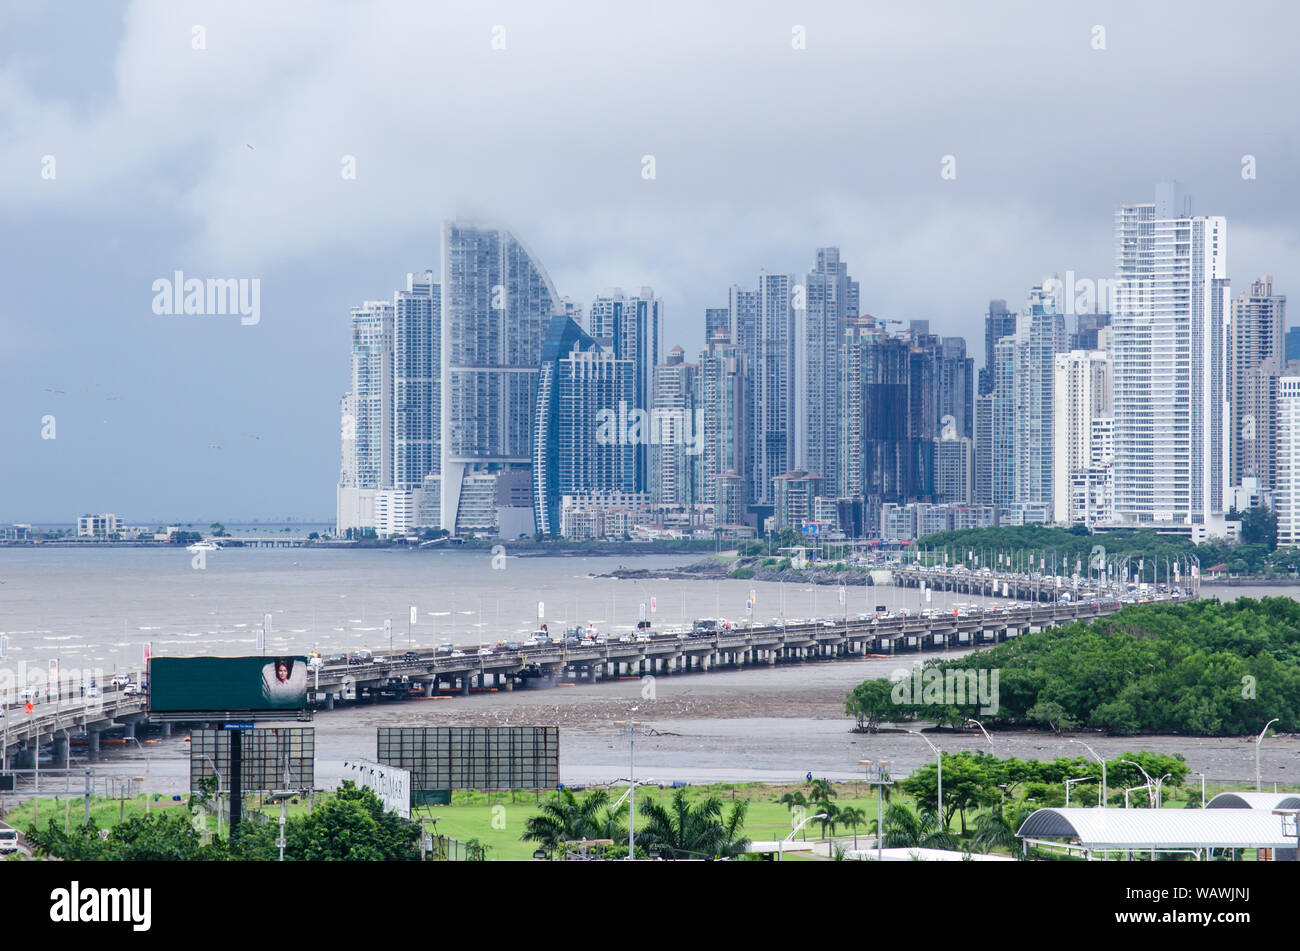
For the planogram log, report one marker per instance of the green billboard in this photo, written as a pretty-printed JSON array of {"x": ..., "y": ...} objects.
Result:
[{"x": 227, "y": 684}]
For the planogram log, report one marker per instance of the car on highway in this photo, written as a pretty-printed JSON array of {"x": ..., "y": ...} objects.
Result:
[
  {"x": 379, "y": 659},
  {"x": 8, "y": 841},
  {"x": 411, "y": 655},
  {"x": 457, "y": 653},
  {"x": 133, "y": 690},
  {"x": 485, "y": 651},
  {"x": 338, "y": 658},
  {"x": 121, "y": 680}
]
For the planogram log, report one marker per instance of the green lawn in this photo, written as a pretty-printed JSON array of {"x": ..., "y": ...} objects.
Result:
[{"x": 497, "y": 820}]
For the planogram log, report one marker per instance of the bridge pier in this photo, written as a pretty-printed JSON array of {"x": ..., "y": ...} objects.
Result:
[
  {"x": 92, "y": 742},
  {"x": 62, "y": 750},
  {"x": 329, "y": 701},
  {"x": 464, "y": 685}
]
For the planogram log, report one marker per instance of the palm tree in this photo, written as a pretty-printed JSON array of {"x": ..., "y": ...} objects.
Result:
[
  {"x": 821, "y": 791},
  {"x": 853, "y": 817},
  {"x": 567, "y": 817},
  {"x": 907, "y": 829},
  {"x": 794, "y": 799},
  {"x": 996, "y": 829},
  {"x": 612, "y": 823},
  {"x": 830, "y": 816},
  {"x": 687, "y": 831}
]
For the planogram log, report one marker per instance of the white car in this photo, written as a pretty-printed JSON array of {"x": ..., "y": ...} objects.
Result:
[
  {"x": 485, "y": 652},
  {"x": 456, "y": 653},
  {"x": 121, "y": 680}
]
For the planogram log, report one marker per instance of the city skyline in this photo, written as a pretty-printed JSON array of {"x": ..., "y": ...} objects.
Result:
[{"x": 136, "y": 154}]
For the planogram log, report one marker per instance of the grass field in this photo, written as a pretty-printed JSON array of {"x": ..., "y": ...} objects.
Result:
[{"x": 497, "y": 820}]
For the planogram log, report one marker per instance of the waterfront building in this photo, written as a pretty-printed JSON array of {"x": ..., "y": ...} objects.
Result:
[{"x": 1172, "y": 446}]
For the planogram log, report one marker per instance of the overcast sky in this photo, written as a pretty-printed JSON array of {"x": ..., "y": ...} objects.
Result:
[{"x": 227, "y": 161}]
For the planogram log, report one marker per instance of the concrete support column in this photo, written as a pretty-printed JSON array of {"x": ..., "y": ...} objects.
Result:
[
  {"x": 129, "y": 731},
  {"x": 329, "y": 701},
  {"x": 509, "y": 684},
  {"x": 166, "y": 730},
  {"x": 464, "y": 685},
  {"x": 92, "y": 742},
  {"x": 61, "y": 753}
]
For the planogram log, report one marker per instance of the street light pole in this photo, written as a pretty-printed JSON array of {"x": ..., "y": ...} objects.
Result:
[
  {"x": 1105, "y": 793},
  {"x": 780, "y": 844},
  {"x": 631, "y": 783},
  {"x": 938, "y": 756},
  {"x": 1081, "y": 779},
  {"x": 1259, "y": 741},
  {"x": 984, "y": 731},
  {"x": 1151, "y": 783},
  {"x": 880, "y": 781}
]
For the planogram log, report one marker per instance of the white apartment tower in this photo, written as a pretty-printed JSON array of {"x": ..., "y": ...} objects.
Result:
[
  {"x": 1286, "y": 489},
  {"x": 1170, "y": 372},
  {"x": 1081, "y": 399}
]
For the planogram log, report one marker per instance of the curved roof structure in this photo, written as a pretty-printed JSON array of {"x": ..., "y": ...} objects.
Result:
[
  {"x": 1266, "y": 801},
  {"x": 1159, "y": 829}
]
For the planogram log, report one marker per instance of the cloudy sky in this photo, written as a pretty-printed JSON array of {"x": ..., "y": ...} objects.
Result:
[{"x": 141, "y": 138}]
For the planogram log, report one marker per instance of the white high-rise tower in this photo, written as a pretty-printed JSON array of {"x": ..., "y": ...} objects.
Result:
[{"x": 1170, "y": 349}]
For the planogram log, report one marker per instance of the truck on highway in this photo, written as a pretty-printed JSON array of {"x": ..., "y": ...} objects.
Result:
[{"x": 8, "y": 841}]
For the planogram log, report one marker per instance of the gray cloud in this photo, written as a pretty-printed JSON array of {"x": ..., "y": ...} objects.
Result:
[{"x": 763, "y": 152}]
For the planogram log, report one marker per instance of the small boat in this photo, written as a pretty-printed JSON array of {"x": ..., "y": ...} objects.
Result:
[{"x": 203, "y": 546}]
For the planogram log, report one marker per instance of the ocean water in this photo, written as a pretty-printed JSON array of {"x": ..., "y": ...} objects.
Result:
[{"x": 99, "y": 608}]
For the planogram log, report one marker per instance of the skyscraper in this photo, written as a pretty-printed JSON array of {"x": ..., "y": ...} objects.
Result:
[
  {"x": 675, "y": 436},
  {"x": 1082, "y": 395},
  {"x": 743, "y": 318},
  {"x": 1286, "y": 491},
  {"x": 1040, "y": 336},
  {"x": 1170, "y": 340},
  {"x": 887, "y": 450},
  {"x": 828, "y": 296},
  {"x": 633, "y": 328},
  {"x": 999, "y": 322},
  {"x": 1255, "y": 361},
  {"x": 775, "y": 426},
  {"x": 497, "y": 303},
  {"x": 580, "y": 442},
  {"x": 367, "y": 422},
  {"x": 721, "y": 391},
  {"x": 1002, "y": 435},
  {"x": 417, "y": 394},
  {"x": 717, "y": 320}
]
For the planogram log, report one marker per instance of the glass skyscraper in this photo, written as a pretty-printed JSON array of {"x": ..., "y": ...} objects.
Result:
[{"x": 497, "y": 303}]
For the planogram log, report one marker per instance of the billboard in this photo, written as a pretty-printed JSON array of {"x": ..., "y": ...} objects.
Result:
[
  {"x": 227, "y": 684},
  {"x": 271, "y": 758},
  {"x": 443, "y": 758},
  {"x": 390, "y": 784}
]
